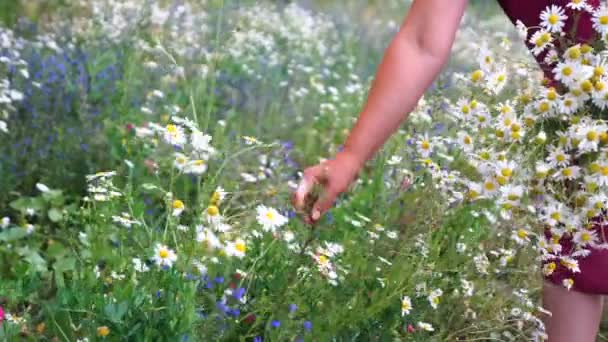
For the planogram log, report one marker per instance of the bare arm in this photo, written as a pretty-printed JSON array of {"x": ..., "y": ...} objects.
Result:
[{"x": 412, "y": 61}]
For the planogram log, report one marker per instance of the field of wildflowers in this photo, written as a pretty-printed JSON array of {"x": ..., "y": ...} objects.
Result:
[{"x": 150, "y": 148}]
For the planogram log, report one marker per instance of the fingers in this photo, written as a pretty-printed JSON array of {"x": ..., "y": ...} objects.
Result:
[
  {"x": 305, "y": 186},
  {"x": 323, "y": 204}
]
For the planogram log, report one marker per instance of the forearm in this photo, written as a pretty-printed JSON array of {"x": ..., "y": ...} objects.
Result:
[
  {"x": 404, "y": 74},
  {"x": 412, "y": 61}
]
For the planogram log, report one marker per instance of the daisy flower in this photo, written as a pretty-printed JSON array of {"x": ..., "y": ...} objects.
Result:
[
  {"x": 553, "y": 19},
  {"x": 218, "y": 196},
  {"x": 425, "y": 326},
  {"x": 579, "y": 5},
  {"x": 207, "y": 237},
  {"x": 236, "y": 248},
  {"x": 435, "y": 298},
  {"x": 424, "y": 146},
  {"x": 178, "y": 207},
  {"x": 569, "y": 173},
  {"x": 270, "y": 218},
  {"x": 521, "y": 236},
  {"x": 196, "y": 167},
  {"x": 555, "y": 213},
  {"x": 540, "y": 40},
  {"x": 585, "y": 237},
  {"x": 557, "y": 157},
  {"x": 600, "y": 20},
  {"x": 406, "y": 305},
  {"x": 213, "y": 215},
  {"x": 163, "y": 256},
  {"x": 465, "y": 141},
  {"x": 174, "y": 135},
  {"x": 181, "y": 161}
]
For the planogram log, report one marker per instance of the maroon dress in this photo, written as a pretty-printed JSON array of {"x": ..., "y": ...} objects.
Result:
[{"x": 593, "y": 275}]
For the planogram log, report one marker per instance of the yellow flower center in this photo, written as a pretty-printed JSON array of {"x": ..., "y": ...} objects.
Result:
[
  {"x": 199, "y": 162},
  {"x": 240, "y": 246},
  {"x": 489, "y": 186},
  {"x": 586, "y": 86},
  {"x": 567, "y": 71},
  {"x": 425, "y": 145},
  {"x": 177, "y": 204},
  {"x": 574, "y": 53},
  {"x": 552, "y": 95},
  {"x": 545, "y": 37},
  {"x": 163, "y": 253},
  {"x": 476, "y": 76},
  {"x": 212, "y": 210},
  {"x": 543, "y": 107},
  {"x": 465, "y": 109},
  {"x": 599, "y": 86},
  {"x": 592, "y": 135},
  {"x": 560, "y": 158},
  {"x": 598, "y": 71},
  {"x": 270, "y": 215},
  {"x": 467, "y": 140},
  {"x": 171, "y": 129},
  {"x": 567, "y": 172},
  {"x": 556, "y": 216},
  {"x": 594, "y": 167},
  {"x": 323, "y": 259},
  {"x": 553, "y": 19},
  {"x": 485, "y": 155},
  {"x": 507, "y": 172},
  {"x": 603, "y": 20},
  {"x": 522, "y": 234}
]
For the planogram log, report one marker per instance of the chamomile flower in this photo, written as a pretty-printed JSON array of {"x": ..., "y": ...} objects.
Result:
[
  {"x": 434, "y": 298},
  {"x": 164, "y": 256},
  {"x": 424, "y": 146},
  {"x": 571, "y": 264},
  {"x": 174, "y": 135},
  {"x": 465, "y": 141},
  {"x": 555, "y": 213},
  {"x": 196, "y": 167},
  {"x": 236, "y": 248},
  {"x": 181, "y": 161},
  {"x": 600, "y": 20},
  {"x": 579, "y": 5},
  {"x": 569, "y": 173},
  {"x": 521, "y": 236},
  {"x": 406, "y": 305},
  {"x": 218, "y": 196},
  {"x": 425, "y": 326},
  {"x": 585, "y": 237},
  {"x": 557, "y": 157},
  {"x": 540, "y": 40},
  {"x": 589, "y": 137},
  {"x": 178, "y": 207},
  {"x": 205, "y": 236},
  {"x": 553, "y": 19},
  {"x": 270, "y": 218},
  {"x": 212, "y": 213}
]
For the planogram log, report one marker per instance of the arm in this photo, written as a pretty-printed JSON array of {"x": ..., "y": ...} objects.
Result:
[{"x": 413, "y": 59}]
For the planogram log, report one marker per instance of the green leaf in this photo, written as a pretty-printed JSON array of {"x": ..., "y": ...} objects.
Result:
[
  {"x": 55, "y": 215},
  {"x": 116, "y": 311},
  {"x": 56, "y": 250},
  {"x": 33, "y": 258},
  {"x": 13, "y": 234},
  {"x": 65, "y": 264}
]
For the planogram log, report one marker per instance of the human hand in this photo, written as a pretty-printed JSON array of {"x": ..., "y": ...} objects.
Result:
[{"x": 322, "y": 183}]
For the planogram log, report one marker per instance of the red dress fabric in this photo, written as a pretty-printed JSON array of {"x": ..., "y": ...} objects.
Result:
[{"x": 593, "y": 275}]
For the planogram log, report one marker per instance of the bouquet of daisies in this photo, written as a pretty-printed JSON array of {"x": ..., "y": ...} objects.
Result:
[{"x": 539, "y": 148}]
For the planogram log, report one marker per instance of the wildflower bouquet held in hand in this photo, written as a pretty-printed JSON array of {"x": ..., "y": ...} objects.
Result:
[{"x": 539, "y": 145}]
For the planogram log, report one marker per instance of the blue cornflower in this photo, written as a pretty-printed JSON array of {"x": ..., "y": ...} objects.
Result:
[
  {"x": 219, "y": 280},
  {"x": 257, "y": 339},
  {"x": 275, "y": 324},
  {"x": 239, "y": 293},
  {"x": 293, "y": 307},
  {"x": 307, "y": 325}
]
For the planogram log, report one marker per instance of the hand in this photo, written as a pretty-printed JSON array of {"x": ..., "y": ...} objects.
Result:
[{"x": 334, "y": 176}]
